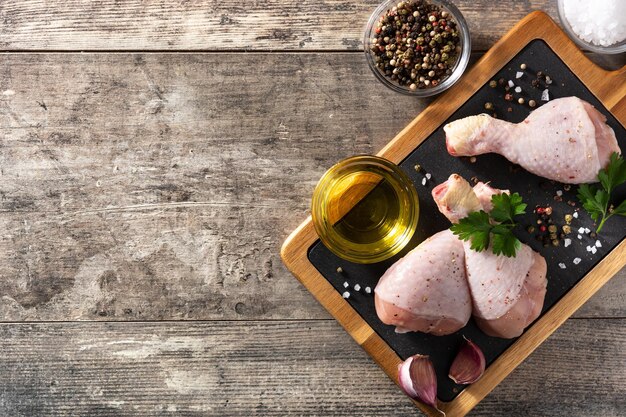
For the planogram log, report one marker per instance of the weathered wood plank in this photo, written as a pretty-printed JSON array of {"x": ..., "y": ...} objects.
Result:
[
  {"x": 276, "y": 369},
  {"x": 222, "y": 25},
  {"x": 160, "y": 186}
]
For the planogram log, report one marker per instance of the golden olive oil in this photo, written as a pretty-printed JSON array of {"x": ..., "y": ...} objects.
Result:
[
  {"x": 365, "y": 209},
  {"x": 376, "y": 219}
]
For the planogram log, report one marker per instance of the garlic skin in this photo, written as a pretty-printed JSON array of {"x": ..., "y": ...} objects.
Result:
[
  {"x": 468, "y": 365},
  {"x": 417, "y": 378}
]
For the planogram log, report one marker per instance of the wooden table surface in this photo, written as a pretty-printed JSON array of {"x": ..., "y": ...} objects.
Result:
[{"x": 153, "y": 157}]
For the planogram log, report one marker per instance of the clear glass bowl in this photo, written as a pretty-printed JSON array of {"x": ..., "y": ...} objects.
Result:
[
  {"x": 616, "y": 48},
  {"x": 365, "y": 209},
  {"x": 459, "y": 65}
]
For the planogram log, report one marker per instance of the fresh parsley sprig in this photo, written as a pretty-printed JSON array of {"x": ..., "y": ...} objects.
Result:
[
  {"x": 596, "y": 200},
  {"x": 496, "y": 227}
]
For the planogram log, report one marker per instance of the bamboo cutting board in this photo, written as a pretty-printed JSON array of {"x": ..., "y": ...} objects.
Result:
[{"x": 535, "y": 40}]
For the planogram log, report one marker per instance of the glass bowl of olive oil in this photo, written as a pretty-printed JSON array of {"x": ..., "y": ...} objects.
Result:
[{"x": 365, "y": 209}]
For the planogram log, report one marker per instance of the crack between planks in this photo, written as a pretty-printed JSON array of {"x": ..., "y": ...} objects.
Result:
[
  {"x": 207, "y": 321},
  {"x": 190, "y": 51},
  {"x": 140, "y": 207}
]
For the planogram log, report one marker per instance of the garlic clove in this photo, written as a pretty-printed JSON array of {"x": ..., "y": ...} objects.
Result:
[
  {"x": 468, "y": 365},
  {"x": 417, "y": 378}
]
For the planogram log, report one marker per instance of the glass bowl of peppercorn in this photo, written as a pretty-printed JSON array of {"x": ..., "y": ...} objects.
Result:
[{"x": 417, "y": 47}]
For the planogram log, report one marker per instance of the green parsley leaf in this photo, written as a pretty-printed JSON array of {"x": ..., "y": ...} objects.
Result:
[
  {"x": 596, "y": 200},
  {"x": 614, "y": 174},
  {"x": 495, "y": 228},
  {"x": 506, "y": 206},
  {"x": 506, "y": 244},
  {"x": 474, "y": 227},
  {"x": 586, "y": 194}
]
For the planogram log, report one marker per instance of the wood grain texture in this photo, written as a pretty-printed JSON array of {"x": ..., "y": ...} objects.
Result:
[
  {"x": 223, "y": 25},
  {"x": 309, "y": 368},
  {"x": 147, "y": 187}
]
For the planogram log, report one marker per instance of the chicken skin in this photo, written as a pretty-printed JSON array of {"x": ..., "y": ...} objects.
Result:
[{"x": 565, "y": 140}]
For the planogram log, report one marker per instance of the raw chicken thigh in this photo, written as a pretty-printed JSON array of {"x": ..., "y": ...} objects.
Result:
[
  {"x": 507, "y": 293},
  {"x": 565, "y": 140},
  {"x": 427, "y": 290}
]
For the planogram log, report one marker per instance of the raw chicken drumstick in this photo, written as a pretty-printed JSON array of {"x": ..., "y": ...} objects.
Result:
[
  {"x": 426, "y": 291},
  {"x": 507, "y": 293},
  {"x": 565, "y": 140}
]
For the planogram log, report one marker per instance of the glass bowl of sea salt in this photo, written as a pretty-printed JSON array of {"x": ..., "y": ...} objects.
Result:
[{"x": 597, "y": 25}]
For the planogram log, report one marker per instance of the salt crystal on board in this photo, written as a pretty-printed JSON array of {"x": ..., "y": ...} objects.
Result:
[{"x": 545, "y": 95}]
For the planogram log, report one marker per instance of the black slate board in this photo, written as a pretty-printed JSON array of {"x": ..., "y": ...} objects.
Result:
[{"x": 432, "y": 155}]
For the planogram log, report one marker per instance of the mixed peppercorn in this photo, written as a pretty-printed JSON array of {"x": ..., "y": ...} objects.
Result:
[
  {"x": 541, "y": 80},
  {"x": 416, "y": 44}
]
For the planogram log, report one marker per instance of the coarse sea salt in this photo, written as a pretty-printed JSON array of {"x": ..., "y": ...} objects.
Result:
[
  {"x": 519, "y": 74},
  {"x": 576, "y": 261},
  {"x": 598, "y": 243},
  {"x": 594, "y": 250},
  {"x": 575, "y": 215},
  {"x": 428, "y": 176},
  {"x": 562, "y": 265},
  {"x": 601, "y": 22},
  {"x": 511, "y": 85},
  {"x": 368, "y": 290},
  {"x": 346, "y": 285},
  {"x": 346, "y": 294},
  {"x": 567, "y": 242},
  {"x": 423, "y": 181},
  {"x": 518, "y": 89},
  {"x": 545, "y": 95},
  {"x": 357, "y": 287}
]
